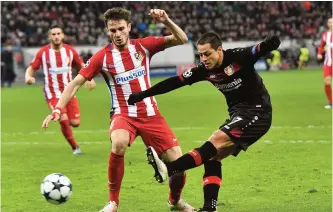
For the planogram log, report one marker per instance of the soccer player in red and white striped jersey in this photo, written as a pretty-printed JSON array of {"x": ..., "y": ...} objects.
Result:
[
  {"x": 124, "y": 64},
  {"x": 327, "y": 40},
  {"x": 56, "y": 60}
]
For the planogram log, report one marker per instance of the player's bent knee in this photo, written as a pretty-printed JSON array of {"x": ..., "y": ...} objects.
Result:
[
  {"x": 120, "y": 140},
  {"x": 220, "y": 139},
  {"x": 75, "y": 122},
  {"x": 327, "y": 80}
]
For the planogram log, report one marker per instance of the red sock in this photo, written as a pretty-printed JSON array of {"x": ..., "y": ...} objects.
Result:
[
  {"x": 115, "y": 174},
  {"x": 328, "y": 91},
  {"x": 67, "y": 132},
  {"x": 176, "y": 185}
]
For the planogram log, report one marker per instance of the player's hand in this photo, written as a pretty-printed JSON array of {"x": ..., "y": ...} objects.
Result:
[
  {"x": 272, "y": 41},
  {"x": 134, "y": 98},
  {"x": 55, "y": 116},
  {"x": 319, "y": 56},
  {"x": 90, "y": 84},
  {"x": 158, "y": 15},
  {"x": 30, "y": 80}
]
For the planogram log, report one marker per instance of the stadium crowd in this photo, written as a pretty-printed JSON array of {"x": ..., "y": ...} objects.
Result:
[{"x": 25, "y": 23}]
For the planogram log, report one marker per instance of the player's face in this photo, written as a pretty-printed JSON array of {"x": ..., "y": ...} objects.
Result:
[
  {"x": 329, "y": 23},
  {"x": 119, "y": 32},
  {"x": 209, "y": 56},
  {"x": 56, "y": 36}
]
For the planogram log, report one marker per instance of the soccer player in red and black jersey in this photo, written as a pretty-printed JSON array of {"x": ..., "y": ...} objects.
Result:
[
  {"x": 231, "y": 72},
  {"x": 124, "y": 64},
  {"x": 56, "y": 60}
]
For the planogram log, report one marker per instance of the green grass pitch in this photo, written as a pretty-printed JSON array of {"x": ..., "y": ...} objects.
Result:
[{"x": 288, "y": 170}]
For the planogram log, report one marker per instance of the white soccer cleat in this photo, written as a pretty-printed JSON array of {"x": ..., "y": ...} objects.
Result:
[
  {"x": 161, "y": 171},
  {"x": 181, "y": 206},
  {"x": 328, "y": 106},
  {"x": 77, "y": 151},
  {"x": 110, "y": 207}
]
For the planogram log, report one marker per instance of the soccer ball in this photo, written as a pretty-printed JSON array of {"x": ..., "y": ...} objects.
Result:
[{"x": 56, "y": 188}]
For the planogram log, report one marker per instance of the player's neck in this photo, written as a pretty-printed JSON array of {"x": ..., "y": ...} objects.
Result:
[
  {"x": 121, "y": 48},
  {"x": 56, "y": 47}
]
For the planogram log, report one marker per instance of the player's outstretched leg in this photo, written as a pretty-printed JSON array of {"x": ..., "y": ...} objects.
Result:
[{"x": 194, "y": 158}]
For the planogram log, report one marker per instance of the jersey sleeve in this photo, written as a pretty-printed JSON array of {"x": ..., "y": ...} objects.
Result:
[
  {"x": 37, "y": 61},
  {"x": 193, "y": 75},
  {"x": 246, "y": 55},
  {"x": 322, "y": 44},
  {"x": 77, "y": 59},
  {"x": 93, "y": 66},
  {"x": 153, "y": 44}
]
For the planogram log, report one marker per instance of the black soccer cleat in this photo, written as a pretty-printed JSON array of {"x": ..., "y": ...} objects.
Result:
[{"x": 161, "y": 171}]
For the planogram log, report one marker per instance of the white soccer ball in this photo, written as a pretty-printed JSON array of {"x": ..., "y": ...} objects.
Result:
[{"x": 56, "y": 188}]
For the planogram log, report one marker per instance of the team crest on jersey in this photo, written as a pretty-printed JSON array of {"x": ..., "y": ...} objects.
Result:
[
  {"x": 87, "y": 64},
  {"x": 138, "y": 56},
  {"x": 229, "y": 70}
]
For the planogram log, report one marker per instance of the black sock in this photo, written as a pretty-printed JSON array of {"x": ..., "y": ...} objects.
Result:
[
  {"x": 212, "y": 181},
  {"x": 194, "y": 158}
]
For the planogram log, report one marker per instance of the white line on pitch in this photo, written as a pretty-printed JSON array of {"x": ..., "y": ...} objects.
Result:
[
  {"x": 98, "y": 131},
  {"x": 140, "y": 142}
]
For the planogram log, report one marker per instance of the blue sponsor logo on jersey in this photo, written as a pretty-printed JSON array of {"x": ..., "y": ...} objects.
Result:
[{"x": 125, "y": 77}]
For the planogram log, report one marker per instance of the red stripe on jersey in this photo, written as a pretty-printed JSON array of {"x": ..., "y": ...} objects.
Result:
[
  {"x": 119, "y": 92},
  {"x": 69, "y": 63},
  {"x": 146, "y": 77},
  {"x": 134, "y": 84},
  {"x": 59, "y": 76},
  {"x": 49, "y": 77}
]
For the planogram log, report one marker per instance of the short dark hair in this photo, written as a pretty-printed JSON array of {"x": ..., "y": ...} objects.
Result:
[
  {"x": 53, "y": 26},
  {"x": 117, "y": 13},
  {"x": 212, "y": 38}
]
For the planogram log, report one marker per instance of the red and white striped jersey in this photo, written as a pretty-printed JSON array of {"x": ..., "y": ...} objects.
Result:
[
  {"x": 327, "y": 40},
  {"x": 57, "y": 68},
  {"x": 126, "y": 72}
]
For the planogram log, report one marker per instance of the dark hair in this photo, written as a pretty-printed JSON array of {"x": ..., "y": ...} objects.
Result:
[
  {"x": 212, "y": 38},
  {"x": 53, "y": 26},
  {"x": 117, "y": 13}
]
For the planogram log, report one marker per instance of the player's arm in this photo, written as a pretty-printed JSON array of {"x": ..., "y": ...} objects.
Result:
[
  {"x": 90, "y": 84},
  {"x": 187, "y": 78},
  {"x": 91, "y": 69},
  {"x": 68, "y": 93},
  {"x": 253, "y": 53},
  {"x": 34, "y": 65},
  {"x": 321, "y": 48},
  {"x": 177, "y": 37},
  {"x": 29, "y": 76}
]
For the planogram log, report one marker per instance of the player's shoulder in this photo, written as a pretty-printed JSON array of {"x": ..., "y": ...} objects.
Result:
[
  {"x": 67, "y": 46},
  {"x": 43, "y": 49}
]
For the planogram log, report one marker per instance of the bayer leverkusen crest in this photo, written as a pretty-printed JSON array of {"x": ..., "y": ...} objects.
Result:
[{"x": 229, "y": 70}]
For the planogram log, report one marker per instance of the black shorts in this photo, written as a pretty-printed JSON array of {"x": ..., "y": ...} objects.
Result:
[{"x": 246, "y": 126}]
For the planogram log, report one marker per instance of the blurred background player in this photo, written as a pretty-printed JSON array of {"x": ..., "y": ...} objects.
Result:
[
  {"x": 124, "y": 64},
  {"x": 327, "y": 40},
  {"x": 57, "y": 59}
]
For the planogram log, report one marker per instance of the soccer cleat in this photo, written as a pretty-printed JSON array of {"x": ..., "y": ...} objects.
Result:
[
  {"x": 328, "y": 106},
  {"x": 206, "y": 210},
  {"x": 77, "y": 151},
  {"x": 110, "y": 207},
  {"x": 181, "y": 206},
  {"x": 161, "y": 171}
]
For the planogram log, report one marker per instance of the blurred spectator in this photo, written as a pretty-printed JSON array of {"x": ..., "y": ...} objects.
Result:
[
  {"x": 7, "y": 66},
  {"x": 26, "y": 22}
]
